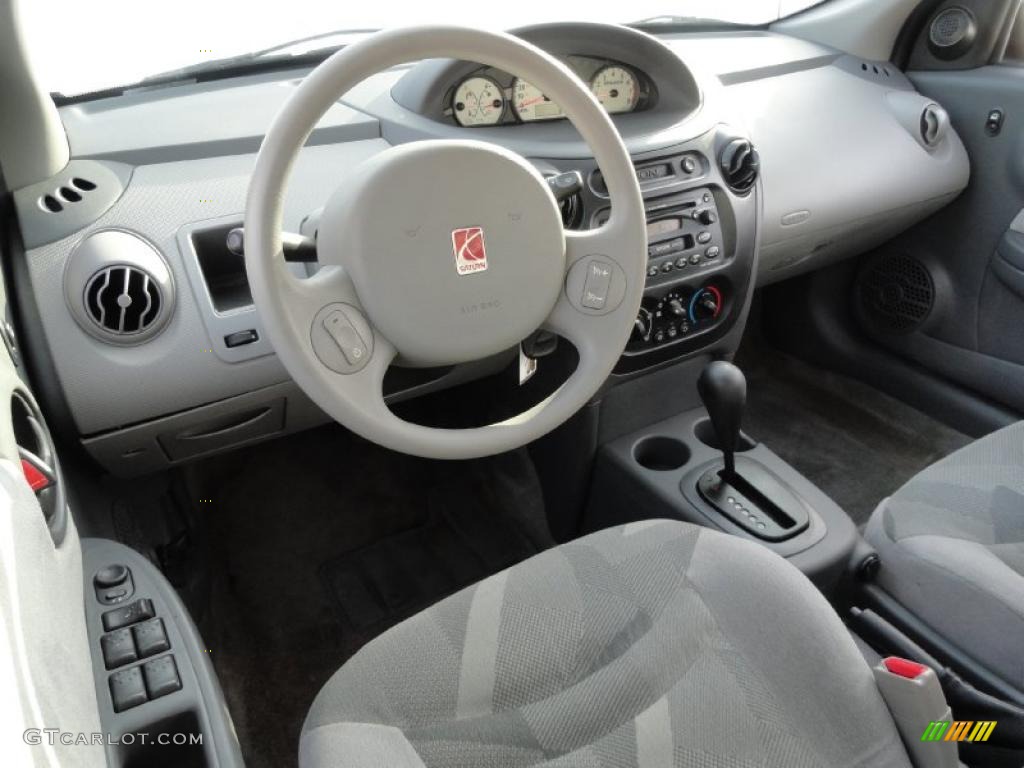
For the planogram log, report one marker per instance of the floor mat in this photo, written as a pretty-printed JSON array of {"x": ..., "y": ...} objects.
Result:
[
  {"x": 855, "y": 443},
  {"x": 321, "y": 541},
  {"x": 400, "y": 575}
]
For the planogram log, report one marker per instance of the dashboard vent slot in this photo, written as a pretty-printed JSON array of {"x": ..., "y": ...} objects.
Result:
[
  {"x": 895, "y": 294},
  {"x": 740, "y": 164},
  {"x": 952, "y": 33},
  {"x": 72, "y": 191},
  {"x": 123, "y": 300}
]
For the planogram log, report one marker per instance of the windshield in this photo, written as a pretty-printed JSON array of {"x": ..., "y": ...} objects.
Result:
[{"x": 79, "y": 47}]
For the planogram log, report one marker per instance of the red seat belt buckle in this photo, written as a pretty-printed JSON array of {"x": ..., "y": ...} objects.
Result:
[{"x": 905, "y": 667}]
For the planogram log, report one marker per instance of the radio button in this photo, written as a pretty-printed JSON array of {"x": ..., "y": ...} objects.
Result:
[
  {"x": 652, "y": 271},
  {"x": 681, "y": 262},
  {"x": 712, "y": 252},
  {"x": 667, "y": 266},
  {"x": 695, "y": 259},
  {"x": 704, "y": 237}
]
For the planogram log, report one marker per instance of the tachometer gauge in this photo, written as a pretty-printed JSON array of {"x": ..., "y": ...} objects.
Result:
[
  {"x": 530, "y": 104},
  {"x": 478, "y": 101},
  {"x": 616, "y": 88}
]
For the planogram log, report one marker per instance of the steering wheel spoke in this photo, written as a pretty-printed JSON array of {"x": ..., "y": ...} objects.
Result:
[{"x": 589, "y": 310}]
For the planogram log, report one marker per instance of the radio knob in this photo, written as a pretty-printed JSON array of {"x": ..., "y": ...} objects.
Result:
[{"x": 706, "y": 216}]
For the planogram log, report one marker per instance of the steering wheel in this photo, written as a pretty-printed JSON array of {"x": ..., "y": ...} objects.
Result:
[{"x": 439, "y": 252}]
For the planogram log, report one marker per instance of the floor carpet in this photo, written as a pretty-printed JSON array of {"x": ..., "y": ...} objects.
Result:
[
  {"x": 855, "y": 443},
  {"x": 321, "y": 541}
]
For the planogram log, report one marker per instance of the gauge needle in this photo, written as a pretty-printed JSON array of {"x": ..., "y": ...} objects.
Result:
[{"x": 531, "y": 102}]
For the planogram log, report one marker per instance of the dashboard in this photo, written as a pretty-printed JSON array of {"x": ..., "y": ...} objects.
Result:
[
  {"x": 490, "y": 96},
  {"x": 759, "y": 156}
]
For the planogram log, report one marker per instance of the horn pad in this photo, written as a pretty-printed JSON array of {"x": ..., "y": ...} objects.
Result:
[{"x": 455, "y": 248}]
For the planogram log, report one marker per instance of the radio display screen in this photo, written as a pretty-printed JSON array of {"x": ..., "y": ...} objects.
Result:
[{"x": 663, "y": 226}]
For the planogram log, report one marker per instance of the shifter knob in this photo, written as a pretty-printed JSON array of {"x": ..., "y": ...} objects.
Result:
[{"x": 723, "y": 388}]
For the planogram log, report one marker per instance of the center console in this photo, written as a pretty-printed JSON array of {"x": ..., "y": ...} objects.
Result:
[
  {"x": 701, "y": 209},
  {"x": 698, "y": 466}
]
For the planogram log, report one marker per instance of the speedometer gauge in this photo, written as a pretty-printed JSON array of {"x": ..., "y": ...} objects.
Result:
[
  {"x": 616, "y": 88},
  {"x": 530, "y": 104},
  {"x": 478, "y": 101}
]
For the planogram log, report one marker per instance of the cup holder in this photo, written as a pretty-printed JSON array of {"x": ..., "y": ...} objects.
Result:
[
  {"x": 706, "y": 434},
  {"x": 661, "y": 453}
]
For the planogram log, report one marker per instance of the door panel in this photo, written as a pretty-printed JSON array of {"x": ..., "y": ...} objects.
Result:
[
  {"x": 46, "y": 678},
  {"x": 967, "y": 260}
]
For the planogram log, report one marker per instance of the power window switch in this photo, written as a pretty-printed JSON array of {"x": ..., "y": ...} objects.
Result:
[
  {"x": 161, "y": 676},
  {"x": 132, "y": 613},
  {"x": 118, "y": 648},
  {"x": 127, "y": 689},
  {"x": 151, "y": 638}
]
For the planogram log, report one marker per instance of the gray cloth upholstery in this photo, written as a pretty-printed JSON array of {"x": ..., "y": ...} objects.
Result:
[
  {"x": 653, "y": 644},
  {"x": 952, "y": 547}
]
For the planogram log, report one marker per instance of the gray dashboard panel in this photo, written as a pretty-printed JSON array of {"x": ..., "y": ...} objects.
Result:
[
  {"x": 842, "y": 170},
  {"x": 193, "y": 121},
  {"x": 107, "y": 386},
  {"x": 837, "y": 165}
]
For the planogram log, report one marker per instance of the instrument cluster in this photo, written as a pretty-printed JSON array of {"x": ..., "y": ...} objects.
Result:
[{"x": 492, "y": 97}]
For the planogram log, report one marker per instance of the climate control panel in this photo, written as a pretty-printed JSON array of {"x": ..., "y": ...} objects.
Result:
[{"x": 679, "y": 313}]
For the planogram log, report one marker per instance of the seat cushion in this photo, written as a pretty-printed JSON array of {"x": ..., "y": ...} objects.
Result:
[
  {"x": 952, "y": 547},
  {"x": 654, "y": 644}
]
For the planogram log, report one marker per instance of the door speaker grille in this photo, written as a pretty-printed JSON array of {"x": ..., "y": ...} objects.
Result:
[
  {"x": 123, "y": 300},
  {"x": 895, "y": 294},
  {"x": 951, "y": 32}
]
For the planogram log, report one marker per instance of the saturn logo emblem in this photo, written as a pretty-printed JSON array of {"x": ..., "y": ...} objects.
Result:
[{"x": 470, "y": 251}]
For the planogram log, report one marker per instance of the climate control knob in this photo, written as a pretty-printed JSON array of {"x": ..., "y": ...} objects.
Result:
[
  {"x": 706, "y": 304},
  {"x": 643, "y": 324}
]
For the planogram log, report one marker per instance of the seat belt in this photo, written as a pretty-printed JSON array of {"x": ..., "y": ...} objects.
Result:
[{"x": 923, "y": 718}]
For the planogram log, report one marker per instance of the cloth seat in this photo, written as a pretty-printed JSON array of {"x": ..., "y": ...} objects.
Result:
[
  {"x": 653, "y": 644},
  {"x": 951, "y": 543}
]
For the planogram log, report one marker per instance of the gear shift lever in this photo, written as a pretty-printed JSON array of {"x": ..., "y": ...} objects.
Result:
[{"x": 723, "y": 388}]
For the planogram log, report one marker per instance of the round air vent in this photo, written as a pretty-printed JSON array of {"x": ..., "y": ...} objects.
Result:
[
  {"x": 740, "y": 164},
  {"x": 952, "y": 32},
  {"x": 118, "y": 287},
  {"x": 123, "y": 300},
  {"x": 934, "y": 123},
  {"x": 895, "y": 294}
]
